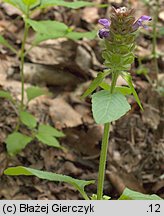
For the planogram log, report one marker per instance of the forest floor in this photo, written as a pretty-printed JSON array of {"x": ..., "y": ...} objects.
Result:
[{"x": 66, "y": 68}]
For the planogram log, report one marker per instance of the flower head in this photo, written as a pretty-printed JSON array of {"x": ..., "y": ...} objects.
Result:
[{"x": 121, "y": 22}]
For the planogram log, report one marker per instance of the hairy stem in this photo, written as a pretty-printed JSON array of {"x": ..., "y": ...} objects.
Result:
[{"x": 104, "y": 147}]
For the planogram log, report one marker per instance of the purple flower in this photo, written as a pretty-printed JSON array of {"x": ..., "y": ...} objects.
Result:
[
  {"x": 105, "y": 22},
  {"x": 140, "y": 21},
  {"x": 103, "y": 33}
]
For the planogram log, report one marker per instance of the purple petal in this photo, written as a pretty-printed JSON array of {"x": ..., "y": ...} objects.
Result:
[
  {"x": 103, "y": 33},
  {"x": 140, "y": 21},
  {"x": 144, "y": 18},
  {"x": 105, "y": 22}
]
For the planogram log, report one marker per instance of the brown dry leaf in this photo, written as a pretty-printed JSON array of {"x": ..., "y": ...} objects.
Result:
[
  {"x": 51, "y": 52},
  {"x": 69, "y": 168},
  {"x": 90, "y": 14},
  {"x": 143, "y": 52},
  {"x": 121, "y": 179},
  {"x": 85, "y": 112},
  {"x": 161, "y": 15},
  {"x": 63, "y": 115},
  {"x": 75, "y": 57},
  {"x": 85, "y": 141},
  {"x": 47, "y": 75},
  {"x": 151, "y": 116},
  {"x": 10, "y": 10},
  {"x": 7, "y": 25}
]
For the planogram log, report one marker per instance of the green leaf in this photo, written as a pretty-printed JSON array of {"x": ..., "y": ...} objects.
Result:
[
  {"x": 94, "y": 84},
  {"x": 71, "y": 35},
  {"x": 18, "y": 4},
  {"x": 127, "y": 77},
  {"x": 46, "y": 134},
  {"x": 121, "y": 89},
  {"x": 34, "y": 91},
  {"x": 28, "y": 119},
  {"x": 49, "y": 28},
  {"x": 108, "y": 107},
  {"x": 30, "y": 2},
  {"x": 48, "y": 140},
  {"x": 73, "y": 5},
  {"x": 16, "y": 142},
  {"x": 133, "y": 195},
  {"x": 23, "y": 4},
  {"x": 6, "y": 95},
  {"x": 79, "y": 35},
  {"x": 76, "y": 183},
  {"x": 4, "y": 42},
  {"x": 50, "y": 131}
]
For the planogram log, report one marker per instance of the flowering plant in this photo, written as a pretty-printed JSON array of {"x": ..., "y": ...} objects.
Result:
[
  {"x": 108, "y": 104},
  {"x": 118, "y": 34}
]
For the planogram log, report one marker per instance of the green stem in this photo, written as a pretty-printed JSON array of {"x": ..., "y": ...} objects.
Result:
[
  {"x": 22, "y": 64},
  {"x": 154, "y": 53},
  {"x": 103, "y": 156},
  {"x": 22, "y": 57},
  {"x": 85, "y": 196},
  {"x": 104, "y": 147}
]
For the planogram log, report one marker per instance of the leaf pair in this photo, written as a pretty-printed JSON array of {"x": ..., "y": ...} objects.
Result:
[
  {"x": 32, "y": 93},
  {"x": 46, "y": 134},
  {"x": 107, "y": 107},
  {"x": 50, "y": 29}
]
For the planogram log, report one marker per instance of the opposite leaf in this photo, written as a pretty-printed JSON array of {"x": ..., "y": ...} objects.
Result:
[
  {"x": 121, "y": 89},
  {"x": 78, "y": 35},
  {"x": 28, "y": 119},
  {"x": 94, "y": 84},
  {"x": 34, "y": 91},
  {"x": 48, "y": 27},
  {"x": 18, "y": 4},
  {"x": 77, "y": 184},
  {"x": 73, "y": 5},
  {"x": 6, "y": 95},
  {"x": 23, "y": 5},
  {"x": 50, "y": 131},
  {"x": 127, "y": 77},
  {"x": 133, "y": 195},
  {"x": 4, "y": 42},
  {"x": 16, "y": 142},
  {"x": 30, "y": 2},
  {"x": 108, "y": 107},
  {"x": 48, "y": 140}
]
